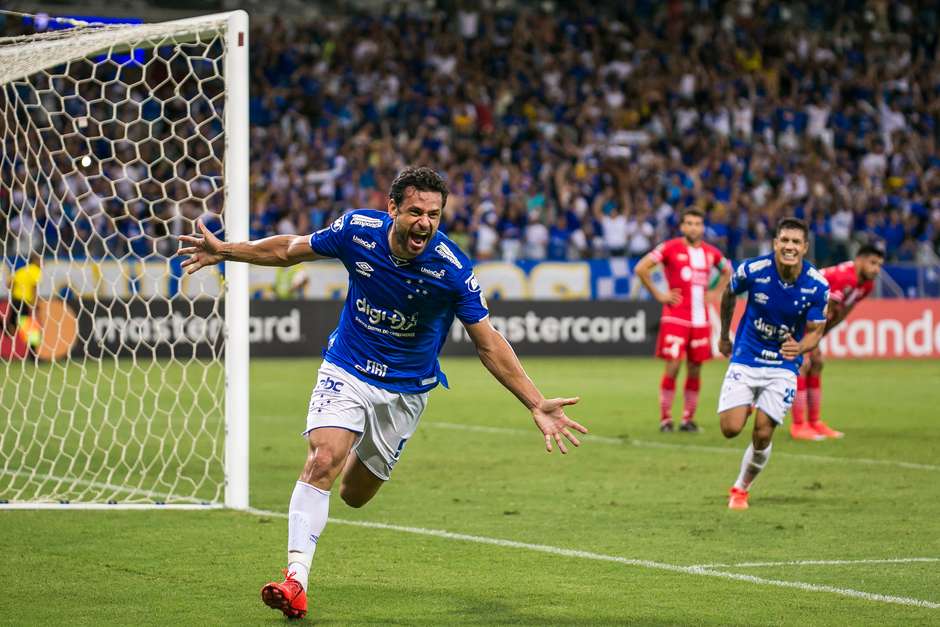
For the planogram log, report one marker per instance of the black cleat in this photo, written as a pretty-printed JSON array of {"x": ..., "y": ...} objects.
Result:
[
  {"x": 666, "y": 426},
  {"x": 689, "y": 426}
]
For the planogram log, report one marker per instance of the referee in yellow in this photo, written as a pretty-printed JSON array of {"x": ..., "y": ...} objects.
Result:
[{"x": 23, "y": 285}]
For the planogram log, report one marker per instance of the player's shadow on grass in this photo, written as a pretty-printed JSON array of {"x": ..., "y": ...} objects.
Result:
[{"x": 383, "y": 606}]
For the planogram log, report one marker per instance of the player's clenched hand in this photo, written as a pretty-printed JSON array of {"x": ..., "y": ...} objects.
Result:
[
  {"x": 551, "y": 420},
  {"x": 790, "y": 349},
  {"x": 672, "y": 297},
  {"x": 203, "y": 251},
  {"x": 724, "y": 346}
]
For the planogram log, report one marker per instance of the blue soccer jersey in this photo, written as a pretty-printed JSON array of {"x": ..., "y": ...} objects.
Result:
[
  {"x": 398, "y": 311},
  {"x": 775, "y": 309}
]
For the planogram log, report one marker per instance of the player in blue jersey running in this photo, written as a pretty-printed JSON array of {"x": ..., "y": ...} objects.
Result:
[
  {"x": 407, "y": 282},
  {"x": 785, "y": 317}
]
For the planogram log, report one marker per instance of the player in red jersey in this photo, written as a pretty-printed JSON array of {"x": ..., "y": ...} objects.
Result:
[
  {"x": 849, "y": 283},
  {"x": 684, "y": 330}
]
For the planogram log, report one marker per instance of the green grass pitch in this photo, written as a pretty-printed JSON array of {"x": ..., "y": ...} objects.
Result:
[{"x": 630, "y": 512}]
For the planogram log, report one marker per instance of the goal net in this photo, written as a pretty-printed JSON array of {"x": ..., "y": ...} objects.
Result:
[{"x": 122, "y": 380}]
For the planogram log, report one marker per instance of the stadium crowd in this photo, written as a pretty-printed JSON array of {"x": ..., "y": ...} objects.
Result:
[{"x": 576, "y": 134}]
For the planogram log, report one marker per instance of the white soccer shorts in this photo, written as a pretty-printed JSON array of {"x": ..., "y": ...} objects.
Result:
[
  {"x": 383, "y": 419},
  {"x": 770, "y": 389}
]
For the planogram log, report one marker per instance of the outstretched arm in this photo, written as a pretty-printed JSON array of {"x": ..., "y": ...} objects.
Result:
[
  {"x": 499, "y": 358},
  {"x": 728, "y": 300},
  {"x": 277, "y": 250}
]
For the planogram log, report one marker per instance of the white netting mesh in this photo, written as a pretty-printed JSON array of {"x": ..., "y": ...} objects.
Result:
[{"x": 113, "y": 142}]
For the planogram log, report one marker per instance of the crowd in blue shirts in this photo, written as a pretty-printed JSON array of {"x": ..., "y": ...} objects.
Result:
[{"x": 583, "y": 133}]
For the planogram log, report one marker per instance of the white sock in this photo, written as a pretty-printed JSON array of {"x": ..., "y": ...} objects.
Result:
[
  {"x": 309, "y": 508},
  {"x": 751, "y": 465}
]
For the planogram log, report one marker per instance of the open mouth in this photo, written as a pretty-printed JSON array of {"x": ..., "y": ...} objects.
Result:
[
  {"x": 789, "y": 256},
  {"x": 417, "y": 240}
]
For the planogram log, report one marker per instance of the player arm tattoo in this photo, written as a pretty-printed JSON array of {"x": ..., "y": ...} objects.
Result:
[{"x": 726, "y": 310}]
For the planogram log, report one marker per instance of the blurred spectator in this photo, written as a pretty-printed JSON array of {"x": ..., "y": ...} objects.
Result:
[{"x": 565, "y": 132}]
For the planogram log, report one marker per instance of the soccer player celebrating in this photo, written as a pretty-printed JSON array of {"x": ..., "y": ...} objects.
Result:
[
  {"x": 684, "y": 330},
  {"x": 785, "y": 317},
  {"x": 407, "y": 281},
  {"x": 849, "y": 283}
]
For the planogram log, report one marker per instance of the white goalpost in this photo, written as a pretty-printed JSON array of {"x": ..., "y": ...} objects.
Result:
[{"x": 123, "y": 383}]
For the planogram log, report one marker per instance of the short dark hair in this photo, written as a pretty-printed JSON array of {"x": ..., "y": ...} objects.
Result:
[
  {"x": 871, "y": 249},
  {"x": 790, "y": 222},
  {"x": 422, "y": 178},
  {"x": 691, "y": 211}
]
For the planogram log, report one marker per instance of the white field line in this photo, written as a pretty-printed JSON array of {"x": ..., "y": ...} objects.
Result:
[
  {"x": 687, "y": 570},
  {"x": 94, "y": 484},
  {"x": 897, "y": 560},
  {"x": 705, "y": 571},
  {"x": 691, "y": 447}
]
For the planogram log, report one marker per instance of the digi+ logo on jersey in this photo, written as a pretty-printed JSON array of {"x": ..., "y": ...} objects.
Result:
[
  {"x": 396, "y": 320},
  {"x": 771, "y": 331}
]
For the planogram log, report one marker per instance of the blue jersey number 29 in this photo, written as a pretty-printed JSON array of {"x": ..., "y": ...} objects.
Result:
[{"x": 788, "y": 397}]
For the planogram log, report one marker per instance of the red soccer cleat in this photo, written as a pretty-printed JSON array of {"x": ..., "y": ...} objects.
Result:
[
  {"x": 288, "y": 596},
  {"x": 825, "y": 430},
  {"x": 737, "y": 498},
  {"x": 804, "y": 432}
]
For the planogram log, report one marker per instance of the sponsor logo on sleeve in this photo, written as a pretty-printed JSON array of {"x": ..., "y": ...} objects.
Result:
[
  {"x": 338, "y": 223},
  {"x": 448, "y": 254},
  {"x": 361, "y": 220},
  {"x": 756, "y": 266},
  {"x": 472, "y": 284},
  {"x": 362, "y": 242}
]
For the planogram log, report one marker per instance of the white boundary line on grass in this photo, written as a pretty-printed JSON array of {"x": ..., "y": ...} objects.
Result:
[
  {"x": 897, "y": 560},
  {"x": 688, "y": 570},
  {"x": 707, "y": 570},
  {"x": 35, "y": 476},
  {"x": 691, "y": 447}
]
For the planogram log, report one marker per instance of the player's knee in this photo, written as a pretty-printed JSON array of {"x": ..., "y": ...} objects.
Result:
[
  {"x": 322, "y": 463},
  {"x": 352, "y": 497},
  {"x": 729, "y": 426}
]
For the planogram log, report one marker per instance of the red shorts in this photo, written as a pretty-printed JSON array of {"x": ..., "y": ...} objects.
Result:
[{"x": 675, "y": 341}]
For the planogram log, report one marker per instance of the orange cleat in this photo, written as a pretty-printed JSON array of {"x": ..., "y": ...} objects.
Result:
[
  {"x": 288, "y": 596},
  {"x": 738, "y": 498},
  {"x": 805, "y": 432},
  {"x": 825, "y": 430}
]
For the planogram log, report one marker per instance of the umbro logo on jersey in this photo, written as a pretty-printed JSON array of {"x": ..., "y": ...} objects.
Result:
[
  {"x": 448, "y": 254},
  {"x": 359, "y": 220},
  {"x": 364, "y": 269},
  {"x": 437, "y": 274},
  {"x": 763, "y": 279},
  {"x": 363, "y": 243},
  {"x": 760, "y": 298}
]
